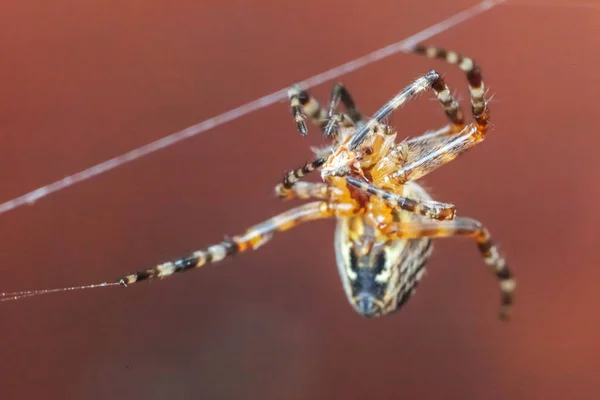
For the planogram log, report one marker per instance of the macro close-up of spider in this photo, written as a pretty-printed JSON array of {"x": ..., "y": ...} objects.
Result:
[
  {"x": 386, "y": 221},
  {"x": 260, "y": 190}
]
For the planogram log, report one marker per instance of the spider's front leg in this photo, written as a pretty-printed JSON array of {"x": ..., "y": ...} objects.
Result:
[
  {"x": 474, "y": 77},
  {"x": 354, "y": 116},
  {"x": 304, "y": 105},
  {"x": 453, "y": 112},
  {"x": 254, "y": 237},
  {"x": 432, "y": 150},
  {"x": 468, "y": 227},
  {"x": 285, "y": 189},
  {"x": 419, "y": 85},
  {"x": 427, "y": 208},
  {"x": 442, "y": 151}
]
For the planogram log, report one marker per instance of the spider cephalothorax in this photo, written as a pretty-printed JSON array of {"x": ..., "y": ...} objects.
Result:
[
  {"x": 346, "y": 161},
  {"x": 386, "y": 221}
]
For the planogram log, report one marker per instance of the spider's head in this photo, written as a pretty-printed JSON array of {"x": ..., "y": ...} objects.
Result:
[
  {"x": 373, "y": 147},
  {"x": 341, "y": 163}
]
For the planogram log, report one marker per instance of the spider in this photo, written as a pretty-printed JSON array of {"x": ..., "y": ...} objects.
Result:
[{"x": 385, "y": 220}]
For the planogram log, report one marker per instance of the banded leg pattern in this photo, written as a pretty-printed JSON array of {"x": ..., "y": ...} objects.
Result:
[
  {"x": 283, "y": 189},
  {"x": 468, "y": 227},
  {"x": 303, "y": 104},
  {"x": 450, "y": 104},
  {"x": 427, "y": 208},
  {"x": 474, "y": 77},
  {"x": 254, "y": 237},
  {"x": 197, "y": 259},
  {"x": 492, "y": 258}
]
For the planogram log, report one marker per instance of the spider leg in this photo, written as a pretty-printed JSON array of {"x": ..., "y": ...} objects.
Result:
[
  {"x": 425, "y": 142},
  {"x": 451, "y": 106},
  {"x": 303, "y": 190},
  {"x": 340, "y": 92},
  {"x": 419, "y": 85},
  {"x": 254, "y": 237},
  {"x": 430, "y": 137},
  {"x": 284, "y": 189},
  {"x": 435, "y": 149},
  {"x": 352, "y": 118},
  {"x": 453, "y": 112},
  {"x": 468, "y": 227},
  {"x": 427, "y": 208},
  {"x": 474, "y": 77},
  {"x": 334, "y": 122},
  {"x": 432, "y": 79},
  {"x": 424, "y": 158},
  {"x": 304, "y": 105}
]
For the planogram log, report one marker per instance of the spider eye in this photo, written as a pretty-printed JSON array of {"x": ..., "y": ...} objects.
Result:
[{"x": 368, "y": 151}]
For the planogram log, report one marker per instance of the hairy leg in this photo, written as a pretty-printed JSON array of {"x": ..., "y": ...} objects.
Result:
[{"x": 419, "y": 85}]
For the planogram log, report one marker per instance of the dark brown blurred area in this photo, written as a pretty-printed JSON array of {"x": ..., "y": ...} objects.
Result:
[{"x": 83, "y": 82}]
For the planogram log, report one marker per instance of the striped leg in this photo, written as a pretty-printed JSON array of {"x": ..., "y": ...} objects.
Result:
[
  {"x": 284, "y": 189},
  {"x": 462, "y": 226},
  {"x": 418, "y": 86},
  {"x": 450, "y": 104},
  {"x": 254, "y": 237},
  {"x": 427, "y": 208},
  {"x": 303, "y": 190},
  {"x": 474, "y": 77},
  {"x": 354, "y": 116},
  {"x": 304, "y": 105}
]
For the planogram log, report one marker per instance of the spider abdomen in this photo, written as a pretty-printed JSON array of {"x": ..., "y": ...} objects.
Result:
[
  {"x": 378, "y": 273},
  {"x": 378, "y": 276}
]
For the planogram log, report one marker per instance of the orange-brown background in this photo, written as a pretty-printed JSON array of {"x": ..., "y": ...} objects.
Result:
[{"x": 85, "y": 81}]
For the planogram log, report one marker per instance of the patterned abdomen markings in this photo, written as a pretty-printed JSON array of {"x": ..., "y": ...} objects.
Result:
[
  {"x": 378, "y": 274},
  {"x": 378, "y": 281}
]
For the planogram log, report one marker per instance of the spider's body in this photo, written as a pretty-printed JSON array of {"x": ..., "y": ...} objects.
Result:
[
  {"x": 378, "y": 273},
  {"x": 386, "y": 221}
]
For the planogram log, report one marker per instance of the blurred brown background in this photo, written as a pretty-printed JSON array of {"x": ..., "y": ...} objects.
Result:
[{"x": 83, "y": 82}]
